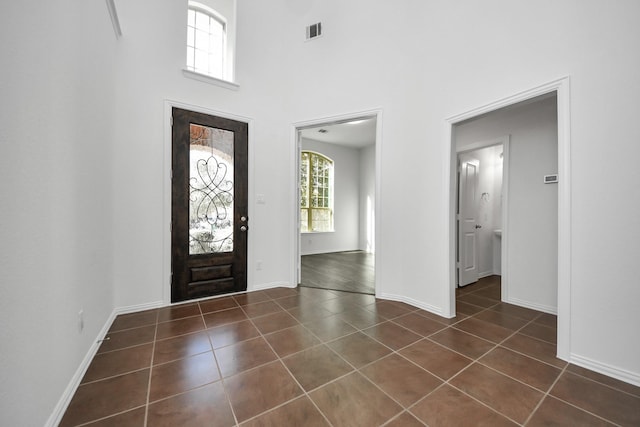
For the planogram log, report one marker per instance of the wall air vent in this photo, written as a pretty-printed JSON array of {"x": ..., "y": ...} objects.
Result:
[{"x": 314, "y": 30}]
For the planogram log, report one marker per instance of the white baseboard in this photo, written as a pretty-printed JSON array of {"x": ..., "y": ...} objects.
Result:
[
  {"x": 604, "y": 369},
  {"x": 533, "y": 306},
  {"x": 485, "y": 274},
  {"x": 427, "y": 307},
  {"x": 272, "y": 285},
  {"x": 73, "y": 385}
]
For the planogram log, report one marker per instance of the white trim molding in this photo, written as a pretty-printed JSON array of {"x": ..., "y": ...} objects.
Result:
[
  {"x": 115, "y": 21},
  {"x": 608, "y": 370},
  {"x": 561, "y": 87},
  {"x": 210, "y": 79},
  {"x": 412, "y": 302}
]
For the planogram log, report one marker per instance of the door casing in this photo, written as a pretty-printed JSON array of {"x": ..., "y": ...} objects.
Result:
[{"x": 562, "y": 89}]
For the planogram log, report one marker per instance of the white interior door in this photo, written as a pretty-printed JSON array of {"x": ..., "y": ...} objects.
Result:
[{"x": 467, "y": 221}]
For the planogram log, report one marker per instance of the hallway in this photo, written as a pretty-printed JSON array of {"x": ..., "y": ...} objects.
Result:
[{"x": 351, "y": 271}]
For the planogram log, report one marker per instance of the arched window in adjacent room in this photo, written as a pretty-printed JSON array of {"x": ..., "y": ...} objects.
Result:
[{"x": 316, "y": 192}]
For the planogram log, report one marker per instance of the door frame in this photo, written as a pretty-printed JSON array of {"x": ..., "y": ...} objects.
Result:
[
  {"x": 296, "y": 127},
  {"x": 166, "y": 194},
  {"x": 504, "y": 252},
  {"x": 562, "y": 88}
]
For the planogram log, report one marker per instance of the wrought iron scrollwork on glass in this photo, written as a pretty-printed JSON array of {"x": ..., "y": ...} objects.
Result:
[{"x": 211, "y": 207}]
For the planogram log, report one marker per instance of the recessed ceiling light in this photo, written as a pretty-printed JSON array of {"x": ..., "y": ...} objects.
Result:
[{"x": 355, "y": 122}]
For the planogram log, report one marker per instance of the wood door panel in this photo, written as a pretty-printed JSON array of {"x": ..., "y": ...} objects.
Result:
[{"x": 209, "y": 205}]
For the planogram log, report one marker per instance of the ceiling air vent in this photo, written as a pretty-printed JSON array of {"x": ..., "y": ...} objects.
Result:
[{"x": 314, "y": 30}]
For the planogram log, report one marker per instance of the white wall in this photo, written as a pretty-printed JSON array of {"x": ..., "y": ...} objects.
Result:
[
  {"x": 433, "y": 60},
  {"x": 56, "y": 164},
  {"x": 367, "y": 240},
  {"x": 346, "y": 170},
  {"x": 532, "y": 231}
]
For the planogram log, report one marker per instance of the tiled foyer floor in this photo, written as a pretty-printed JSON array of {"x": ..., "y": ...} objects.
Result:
[{"x": 310, "y": 357}]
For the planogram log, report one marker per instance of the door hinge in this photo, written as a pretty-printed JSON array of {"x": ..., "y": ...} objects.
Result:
[
  {"x": 171, "y": 121},
  {"x": 171, "y": 226}
]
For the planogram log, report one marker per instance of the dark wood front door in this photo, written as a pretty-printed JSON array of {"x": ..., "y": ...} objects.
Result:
[{"x": 209, "y": 220}]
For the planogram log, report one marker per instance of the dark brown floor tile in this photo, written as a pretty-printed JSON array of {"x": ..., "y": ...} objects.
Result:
[
  {"x": 555, "y": 413},
  {"x": 182, "y": 375},
  {"x": 243, "y": 356},
  {"x": 492, "y": 292},
  {"x": 353, "y": 401},
  {"x": 276, "y": 293},
  {"x": 128, "y": 338},
  {"x": 477, "y": 300},
  {"x": 361, "y": 318},
  {"x": 337, "y": 305},
  {"x": 507, "y": 396},
  {"x": 299, "y": 412},
  {"x": 613, "y": 405},
  {"x": 462, "y": 342},
  {"x": 119, "y": 362},
  {"x": 254, "y": 392},
  {"x": 392, "y": 335},
  {"x": 179, "y": 327},
  {"x": 438, "y": 360},
  {"x": 440, "y": 319},
  {"x": 134, "y": 320},
  {"x": 316, "y": 294},
  {"x": 603, "y": 379},
  {"x": 251, "y": 297},
  {"x": 306, "y": 313},
  {"x": 232, "y": 333},
  {"x": 467, "y": 309},
  {"x": 316, "y": 366},
  {"x": 488, "y": 331},
  {"x": 176, "y": 312},
  {"x": 329, "y": 328},
  {"x": 358, "y": 349},
  {"x": 261, "y": 309},
  {"x": 548, "y": 320},
  {"x": 501, "y": 319},
  {"x": 541, "y": 332},
  {"x": 389, "y": 309},
  {"x": 405, "y": 420},
  {"x": 219, "y": 318},
  {"x": 182, "y": 346},
  {"x": 218, "y": 304},
  {"x": 450, "y": 407},
  {"x": 419, "y": 324},
  {"x": 515, "y": 311},
  {"x": 100, "y": 399},
  {"x": 295, "y": 301},
  {"x": 133, "y": 418},
  {"x": 523, "y": 368},
  {"x": 401, "y": 379},
  {"x": 291, "y": 340},
  {"x": 358, "y": 299},
  {"x": 534, "y": 348},
  {"x": 274, "y": 322},
  {"x": 206, "y": 406}
]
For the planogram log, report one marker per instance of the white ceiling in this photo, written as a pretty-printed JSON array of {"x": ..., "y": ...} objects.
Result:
[{"x": 354, "y": 135}]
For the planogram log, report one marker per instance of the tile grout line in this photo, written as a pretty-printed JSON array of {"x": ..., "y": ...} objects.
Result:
[
  {"x": 153, "y": 350},
  {"x": 215, "y": 358}
]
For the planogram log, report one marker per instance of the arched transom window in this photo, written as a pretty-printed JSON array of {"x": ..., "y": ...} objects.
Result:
[{"x": 206, "y": 40}]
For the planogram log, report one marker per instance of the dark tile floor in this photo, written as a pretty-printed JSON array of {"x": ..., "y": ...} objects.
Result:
[
  {"x": 311, "y": 357},
  {"x": 350, "y": 271}
]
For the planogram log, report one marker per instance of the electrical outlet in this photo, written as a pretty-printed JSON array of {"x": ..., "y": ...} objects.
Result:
[
  {"x": 80, "y": 320},
  {"x": 259, "y": 265}
]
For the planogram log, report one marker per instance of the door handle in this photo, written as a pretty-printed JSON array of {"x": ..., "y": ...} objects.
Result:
[{"x": 478, "y": 226}]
